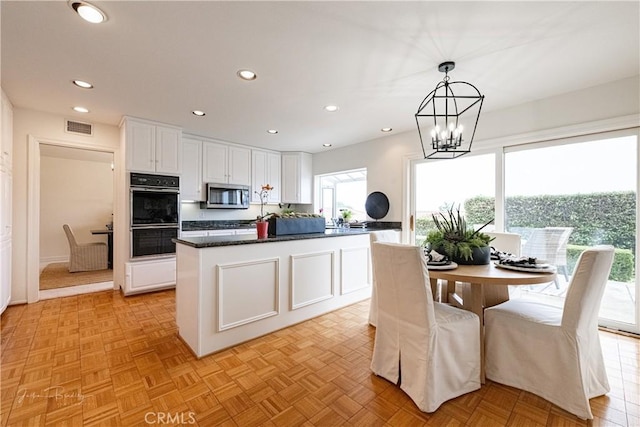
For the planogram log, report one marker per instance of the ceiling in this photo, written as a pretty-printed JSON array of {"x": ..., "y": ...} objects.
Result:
[{"x": 375, "y": 60}]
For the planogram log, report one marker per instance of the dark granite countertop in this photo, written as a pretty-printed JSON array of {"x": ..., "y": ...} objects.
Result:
[
  {"x": 217, "y": 224},
  {"x": 215, "y": 241}
]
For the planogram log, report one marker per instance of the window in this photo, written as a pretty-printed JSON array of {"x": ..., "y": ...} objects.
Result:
[
  {"x": 343, "y": 191},
  {"x": 470, "y": 186}
]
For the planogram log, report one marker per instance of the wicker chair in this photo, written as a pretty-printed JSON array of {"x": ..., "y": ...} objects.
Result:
[{"x": 86, "y": 256}]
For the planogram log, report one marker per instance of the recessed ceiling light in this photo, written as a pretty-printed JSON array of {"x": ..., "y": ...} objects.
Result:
[
  {"x": 326, "y": 145},
  {"x": 272, "y": 131},
  {"x": 386, "y": 129},
  {"x": 83, "y": 84},
  {"x": 331, "y": 108},
  {"x": 80, "y": 110},
  {"x": 198, "y": 113},
  {"x": 87, "y": 11},
  {"x": 247, "y": 75}
]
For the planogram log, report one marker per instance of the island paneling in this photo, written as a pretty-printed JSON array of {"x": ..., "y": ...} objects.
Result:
[{"x": 230, "y": 290}]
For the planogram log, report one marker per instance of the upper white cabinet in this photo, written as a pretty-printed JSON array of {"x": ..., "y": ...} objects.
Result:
[
  {"x": 225, "y": 163},
  {"x": 265, "y": 169},
  {"x": 191, "y": 184},
  {"x": 152, "y": 147},
  {"x": 297, "y": 178}
]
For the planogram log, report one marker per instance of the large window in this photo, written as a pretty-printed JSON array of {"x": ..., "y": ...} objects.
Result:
[
  {"x": 560, "y": 196},
  {"x": 343, "y": 192},
  {"x": 564, "y": 198}
]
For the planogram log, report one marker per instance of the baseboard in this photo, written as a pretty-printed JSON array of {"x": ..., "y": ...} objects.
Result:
[{"x": 50, "y": 260}]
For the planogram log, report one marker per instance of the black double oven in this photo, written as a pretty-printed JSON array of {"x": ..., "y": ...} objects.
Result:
[{"x": 155, "y": 207}]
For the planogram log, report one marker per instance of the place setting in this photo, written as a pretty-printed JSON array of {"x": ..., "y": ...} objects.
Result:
[
  {"x": 526, "y": 264},
  {"x": 437, "y": 261}
]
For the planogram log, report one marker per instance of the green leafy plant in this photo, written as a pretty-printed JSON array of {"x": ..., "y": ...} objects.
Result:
[
  {"x": 346, "y": 214},
  {"x": 453, "y": 237}
]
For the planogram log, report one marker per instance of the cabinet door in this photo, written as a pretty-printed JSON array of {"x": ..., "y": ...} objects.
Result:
[
  {"x": 150, "y": 275},
  {"x": 199, "y": 233},
  {"x": 6, "y": 143},
  {"x": 259, "y": 174},
  {"x": 214, "y": 162},
  {"x": 191, "y": 187},
  {"x": 141, "y": 146},
  {"x": 290, "y": 178},
  {"x": 168, "y": 153},
  {"x": 239, "y": 165},
  {"x": 5, "y": 273},
  {"x": 273, "y": 176},
  {"x": 6, "y": 186}
]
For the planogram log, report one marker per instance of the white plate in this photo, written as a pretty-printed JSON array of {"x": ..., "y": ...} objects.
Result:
[
  {"x": 443, "y": 267},
  {"x": 543, "y": 268}
]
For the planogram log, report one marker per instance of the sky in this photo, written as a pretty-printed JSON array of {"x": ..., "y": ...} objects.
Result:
[{"x": 589, "y": 167}]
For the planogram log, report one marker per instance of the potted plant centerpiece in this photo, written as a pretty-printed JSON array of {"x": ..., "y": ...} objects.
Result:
[
  {"x": 454, "y": 239},
  {"x": 262, "y": 226}
]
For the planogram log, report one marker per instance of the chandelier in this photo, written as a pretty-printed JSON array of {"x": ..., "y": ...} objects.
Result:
[{"x": 440, "y": 117}]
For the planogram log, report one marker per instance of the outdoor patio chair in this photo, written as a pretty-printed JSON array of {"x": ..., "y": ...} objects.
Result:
[{"x": 550, "y": 244}]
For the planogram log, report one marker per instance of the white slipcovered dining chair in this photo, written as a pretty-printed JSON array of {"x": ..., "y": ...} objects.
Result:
[
  {"x": 433, "y": 349},
  {"x": 85, "y": 256},
  {"x": 388, "y": 236},
  {"x": 506, "y": 242},
  {"x": 551, "y": 351}
]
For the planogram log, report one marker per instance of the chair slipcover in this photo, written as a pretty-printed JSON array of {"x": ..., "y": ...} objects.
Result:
[
  {"x": 436, "y": 346},
  {"x": 550, "y": 351},
  {"x": 86, "y": 256},
  {"x": 506, "y": 242},
  {"x": 388, "y": 236}
]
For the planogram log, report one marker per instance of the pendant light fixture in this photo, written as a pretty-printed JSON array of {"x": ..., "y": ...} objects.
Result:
[{"x": 440, "y": 117}]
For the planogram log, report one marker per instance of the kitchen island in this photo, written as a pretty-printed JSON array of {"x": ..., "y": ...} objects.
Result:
[{"x": 231, "y": 289}]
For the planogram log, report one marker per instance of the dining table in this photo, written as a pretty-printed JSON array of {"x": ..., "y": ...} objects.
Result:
[
  {"x": 487, "y": 286},
  {"x": 109, "y": 233}
]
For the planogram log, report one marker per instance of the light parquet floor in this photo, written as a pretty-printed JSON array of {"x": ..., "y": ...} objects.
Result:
[{"x": 103, "y": 359}]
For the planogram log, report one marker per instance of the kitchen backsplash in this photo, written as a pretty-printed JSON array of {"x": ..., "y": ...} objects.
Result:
[{"x": 192, "y": 212}]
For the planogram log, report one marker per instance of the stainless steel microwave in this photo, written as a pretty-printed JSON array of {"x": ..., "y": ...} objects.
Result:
[{"x": 227, "y": 196}]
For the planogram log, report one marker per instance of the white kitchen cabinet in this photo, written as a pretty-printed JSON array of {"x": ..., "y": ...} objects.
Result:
[
  {"x": 265, "y": 169},
  {"x": 191, "y": 183},
  {"x": 145, "y": 276},
  {"x": 297, "y": 178},
  {"x": 225, "y": 163},
  {"x": 5, "y": 273},
  {"x": 152, "y": 147},
  {"x": 6, "y": 191},
  {"x": 198, "y": 233}
]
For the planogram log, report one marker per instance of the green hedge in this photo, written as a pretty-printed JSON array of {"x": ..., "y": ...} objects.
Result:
[
  {"x": 623, "y": 263},
  {"x": 597, "y": 218}
]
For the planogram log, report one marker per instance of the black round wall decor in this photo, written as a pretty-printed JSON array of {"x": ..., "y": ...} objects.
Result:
[{"x": 377, "y": 205}]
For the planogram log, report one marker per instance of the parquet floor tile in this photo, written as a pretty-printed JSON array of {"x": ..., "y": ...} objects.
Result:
[{"x": 105, "y": 360}]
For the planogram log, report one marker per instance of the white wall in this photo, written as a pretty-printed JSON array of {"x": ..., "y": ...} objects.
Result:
[
  {"x": 47, "y": 128},
  {"x": 74, "y": 192},
  {"x": 383, "y": 157}
]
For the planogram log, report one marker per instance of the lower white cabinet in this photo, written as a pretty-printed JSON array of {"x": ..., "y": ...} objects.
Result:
[
  {"x": 5, "y": 273},
  {"x": 151, "y": 275}
]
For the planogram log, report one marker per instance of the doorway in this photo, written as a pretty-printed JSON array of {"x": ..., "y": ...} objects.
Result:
[{"x": 62, "y": 178}]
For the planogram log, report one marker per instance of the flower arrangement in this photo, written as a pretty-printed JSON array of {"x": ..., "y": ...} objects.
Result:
[{"x": 264, "y": 197}]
